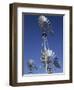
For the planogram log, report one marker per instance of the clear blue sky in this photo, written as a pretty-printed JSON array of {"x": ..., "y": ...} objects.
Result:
[{"x": 32, "y": 40}]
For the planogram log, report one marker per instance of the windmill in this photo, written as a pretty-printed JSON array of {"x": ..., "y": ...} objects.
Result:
[{"x": 48, "y": 57}]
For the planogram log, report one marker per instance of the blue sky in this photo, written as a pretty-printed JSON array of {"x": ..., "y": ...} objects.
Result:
[{"x": 32, "y": 40}]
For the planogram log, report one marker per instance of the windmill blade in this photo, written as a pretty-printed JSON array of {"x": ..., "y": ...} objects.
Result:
[
  {"x": 56, "y": 64},
  {"x": 50, "y": 29}
]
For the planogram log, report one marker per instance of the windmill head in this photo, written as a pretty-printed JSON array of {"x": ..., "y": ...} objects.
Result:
[{"x": 45, "y": 24}]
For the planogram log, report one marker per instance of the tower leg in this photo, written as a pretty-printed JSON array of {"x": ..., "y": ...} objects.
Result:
[{"x": 46, "y": 65}]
